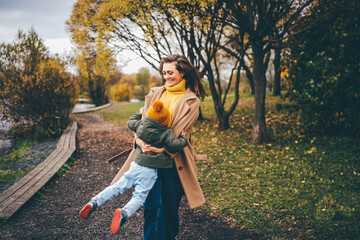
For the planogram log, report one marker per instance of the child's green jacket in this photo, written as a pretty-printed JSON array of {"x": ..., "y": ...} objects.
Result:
[{"x": 157, "y": 135}]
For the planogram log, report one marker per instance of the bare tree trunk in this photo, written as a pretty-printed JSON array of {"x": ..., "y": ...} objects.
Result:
[
  {"x": 259, "y": 134},
  {"x": 223, "y": 119},
  {"x": 97, "y": 90},
  {"x": 201, "y": 117},
  {"x": 250, "y": 78},
  {"x": 277, "y": 80}
]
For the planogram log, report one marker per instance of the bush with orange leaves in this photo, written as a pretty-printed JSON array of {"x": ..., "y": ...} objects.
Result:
[{"x": 36, "y": 91}]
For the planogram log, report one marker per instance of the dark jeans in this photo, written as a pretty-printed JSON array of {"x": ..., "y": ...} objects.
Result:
[{"x": 161, "y": 218}]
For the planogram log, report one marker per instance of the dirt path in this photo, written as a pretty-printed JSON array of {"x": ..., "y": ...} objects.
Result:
[{"x": 53, "y": 214}]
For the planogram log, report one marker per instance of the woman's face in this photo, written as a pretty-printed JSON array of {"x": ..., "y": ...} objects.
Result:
[{"x": 171, "y": 75}]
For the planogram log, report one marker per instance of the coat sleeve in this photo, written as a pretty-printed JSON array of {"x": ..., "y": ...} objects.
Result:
[
  {"x": 134, "y": 121},
  {"x": 175, "y": 144}
]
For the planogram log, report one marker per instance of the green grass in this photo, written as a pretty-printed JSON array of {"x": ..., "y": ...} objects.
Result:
[
  {"x": 15, "y": 157},
  {"x": 68, "y": 165},
  {"x": 296, "y": 186},
  {"x": 120, "y": 112},
  {"x": 9, "y": 175}
]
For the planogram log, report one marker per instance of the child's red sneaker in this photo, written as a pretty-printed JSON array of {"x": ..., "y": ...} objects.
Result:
[
  {"x": 119, "y": 219},
  {"x": 86, "y": 211}
]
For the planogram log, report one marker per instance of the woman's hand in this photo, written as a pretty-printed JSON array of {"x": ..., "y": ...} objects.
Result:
[{"x": 147, "y": 148}]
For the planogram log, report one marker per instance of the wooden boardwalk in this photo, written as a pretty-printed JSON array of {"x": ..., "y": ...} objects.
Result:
[
  {"x": 15, "y": 196},
  {"x": 79, "y": 111}
]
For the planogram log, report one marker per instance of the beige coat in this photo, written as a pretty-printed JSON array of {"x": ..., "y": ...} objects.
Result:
[{"x": 184, "y": 116}]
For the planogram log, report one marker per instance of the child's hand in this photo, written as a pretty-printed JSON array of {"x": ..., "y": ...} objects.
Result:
[
  {"x": 183, "y": 132},
  {"x": 142, "y": 110}
]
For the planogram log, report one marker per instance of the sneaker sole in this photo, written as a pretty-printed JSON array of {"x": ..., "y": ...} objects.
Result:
[
  {"x": 115, "y": 224},
  {"x": 85, "y": 212}
]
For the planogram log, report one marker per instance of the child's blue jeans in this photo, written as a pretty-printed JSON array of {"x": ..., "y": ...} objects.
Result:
[{"x": 142, "y": 178}]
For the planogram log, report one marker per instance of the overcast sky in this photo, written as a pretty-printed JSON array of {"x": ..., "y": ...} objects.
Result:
[{"x": 48, "y": 19}]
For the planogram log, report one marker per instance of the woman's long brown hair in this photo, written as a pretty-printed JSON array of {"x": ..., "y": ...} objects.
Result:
[{"x": 191, "y": 73}]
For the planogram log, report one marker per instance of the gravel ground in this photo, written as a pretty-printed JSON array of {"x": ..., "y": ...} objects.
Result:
[{"x": 54, "y": 212}]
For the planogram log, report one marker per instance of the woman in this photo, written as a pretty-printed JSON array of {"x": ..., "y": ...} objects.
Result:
[{"x": 180, "y": 95}]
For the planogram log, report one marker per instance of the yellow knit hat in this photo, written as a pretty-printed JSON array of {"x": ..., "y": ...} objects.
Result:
[{"x": 159, "y": 112}]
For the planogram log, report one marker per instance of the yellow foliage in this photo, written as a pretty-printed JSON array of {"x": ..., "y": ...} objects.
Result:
[
  {"x": 120, "y": 92},
  {"x": 313, "y": 149},
  {"x": 95, "y": 58},
  {"x": 284, "y": 72},
  {"x": 153, "y": 84},
  {"x": 94, "y": 19}
]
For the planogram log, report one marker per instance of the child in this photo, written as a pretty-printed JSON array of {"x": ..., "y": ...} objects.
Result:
[{"x": 143, "y": 170}]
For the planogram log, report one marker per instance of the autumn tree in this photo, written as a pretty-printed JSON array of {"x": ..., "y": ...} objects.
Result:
[
  {"x": 266, "y": 23},
  {"x": 186, "y": 27},
  {"x": 96, "y": 62},
  {"x": 205, "y": 31},
  {"x": 142, "y": 83},
  {"x": 203, "y": 38}
]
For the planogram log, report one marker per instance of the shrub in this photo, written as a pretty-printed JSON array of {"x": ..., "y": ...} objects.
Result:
[
  {"x": 120, "y": 92},
  {"x": 140, "y": 91},
  {"x": 36, "y": 91}
]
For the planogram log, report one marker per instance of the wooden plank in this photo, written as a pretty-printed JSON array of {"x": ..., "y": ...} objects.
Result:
[
  {"x": 66, "y": 137},
  {"x": 39, "y": 177},
  {"x": 28, "y": 177},
  {"x": 8, "y": 212},
  {"x": 26, "y": 195},
  {"x": 65, "y": 134},
  {"x": 13, "y": 198},
  {"x": 37, "y": 170},
  {"x": 39, "y": 180},
  {"x": 36, "y": 177},
  {"x": 71, "y": 144},
  {"x": 73, "y": 137},
  {"x": 30, "y": 183}
]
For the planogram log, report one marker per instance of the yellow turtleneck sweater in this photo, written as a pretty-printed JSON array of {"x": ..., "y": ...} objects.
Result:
[{"x": 172, "y": 95}]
